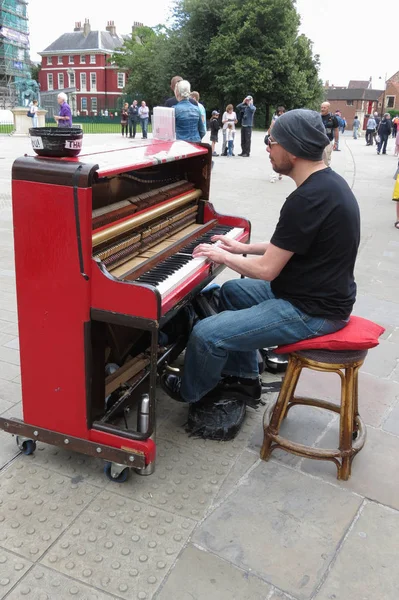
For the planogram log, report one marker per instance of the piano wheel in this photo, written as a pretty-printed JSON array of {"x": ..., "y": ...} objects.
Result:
[{"x": 115, "y": 472}]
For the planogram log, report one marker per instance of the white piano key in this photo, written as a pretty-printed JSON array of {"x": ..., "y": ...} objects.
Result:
[{"x": 184, "y": 272}]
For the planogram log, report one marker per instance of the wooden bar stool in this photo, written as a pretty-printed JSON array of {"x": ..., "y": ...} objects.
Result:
[{"x": 344, "y": 361}]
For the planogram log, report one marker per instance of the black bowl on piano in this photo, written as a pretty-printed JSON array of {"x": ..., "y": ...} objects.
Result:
[{"x": 56, "y": 141}]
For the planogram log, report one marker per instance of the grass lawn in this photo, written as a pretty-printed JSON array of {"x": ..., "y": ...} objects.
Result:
[{"x": 88, "y": 127}]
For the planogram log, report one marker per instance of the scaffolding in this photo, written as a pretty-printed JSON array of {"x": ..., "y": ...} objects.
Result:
[{"x": 14, "y": 49}]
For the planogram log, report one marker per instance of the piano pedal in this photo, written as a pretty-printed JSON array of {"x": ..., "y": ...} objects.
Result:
[{"x": 171, "y": 369}]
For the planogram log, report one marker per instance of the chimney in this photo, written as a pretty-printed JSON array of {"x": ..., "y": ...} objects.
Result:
[
  {"x": 86, "y": 28},
  {"x": 135, "y": 25},
  {"x": 327, "y": 84},
  {"x": 78, "y": 26},
  {"x": 111, "y": 27}
]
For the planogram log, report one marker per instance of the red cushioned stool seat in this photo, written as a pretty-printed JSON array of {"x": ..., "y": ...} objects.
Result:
[{"x": 342, "y": 352}]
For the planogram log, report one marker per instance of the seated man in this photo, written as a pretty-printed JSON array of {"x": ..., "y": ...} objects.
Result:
[{"x": 299, "y": 285}]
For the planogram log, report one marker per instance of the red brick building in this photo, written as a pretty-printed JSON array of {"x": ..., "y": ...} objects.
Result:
[
  {"x": 78, "y": 63},
  {"x": 359, "y": 99}
]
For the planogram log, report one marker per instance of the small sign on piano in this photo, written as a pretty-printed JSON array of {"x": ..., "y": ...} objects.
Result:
[{"x": 163, "y": 124}]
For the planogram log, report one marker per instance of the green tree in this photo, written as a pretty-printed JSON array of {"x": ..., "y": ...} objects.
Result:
[
  {"x": 226, "y": 51},
  {"x": 35, "y": 70},
  {"x": 144, "y": 57},
  {"x": 258, "y": 51}
]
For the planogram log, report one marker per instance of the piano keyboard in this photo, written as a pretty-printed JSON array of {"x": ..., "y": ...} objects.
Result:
[{"x": 176, "y": 269}]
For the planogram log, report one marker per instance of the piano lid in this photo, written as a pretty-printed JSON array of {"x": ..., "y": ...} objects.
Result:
[{"x": 148, "y": 154}]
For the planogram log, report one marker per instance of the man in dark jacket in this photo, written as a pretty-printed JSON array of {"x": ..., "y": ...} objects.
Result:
[
  {"x": 133, "y": 113},
  {"x": 384, "y": 131}
]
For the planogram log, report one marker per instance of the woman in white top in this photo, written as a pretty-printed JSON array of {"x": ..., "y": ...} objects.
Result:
[
  {"x": 229, "y": 116},
  {"x": 33, "y": 110}
]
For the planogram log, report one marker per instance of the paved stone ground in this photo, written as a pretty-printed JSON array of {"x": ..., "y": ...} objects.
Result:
[{"x": 214, "y": 522}]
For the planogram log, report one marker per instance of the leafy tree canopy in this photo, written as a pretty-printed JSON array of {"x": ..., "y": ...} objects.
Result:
[{"x": 226, "y": 51}]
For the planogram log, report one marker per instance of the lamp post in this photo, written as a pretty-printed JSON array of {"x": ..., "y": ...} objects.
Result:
[{"x": 71, "y": 73}]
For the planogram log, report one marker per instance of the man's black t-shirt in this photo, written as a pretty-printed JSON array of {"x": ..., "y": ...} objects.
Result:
[
  {"x": 330, "y": 123},
  {"x": 320, "y": 223},
  {"x": 173, "y": 101}
]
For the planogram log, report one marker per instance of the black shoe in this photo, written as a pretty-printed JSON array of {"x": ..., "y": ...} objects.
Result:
[
  {"x": 250, "y": 389},
  {"x": 244, "y": 155},
  {"x": 171, "y": 384},
  {"x": 241, "y": 154}
]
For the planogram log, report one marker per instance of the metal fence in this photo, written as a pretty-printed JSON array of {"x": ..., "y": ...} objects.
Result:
[{"x": 94, "y": 124}]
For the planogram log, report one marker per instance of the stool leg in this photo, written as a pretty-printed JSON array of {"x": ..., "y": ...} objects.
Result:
[
  {"x": 287, "y": 390},
  {"x": 355, "y": 402},
  {"x": 346, "y": 423}
]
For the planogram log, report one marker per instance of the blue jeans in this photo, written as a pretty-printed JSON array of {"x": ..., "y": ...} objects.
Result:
[
  {"x": 250, "y": 317},
  {"x": 144, "y": 126},
  {"x": 230, "y": 147}
]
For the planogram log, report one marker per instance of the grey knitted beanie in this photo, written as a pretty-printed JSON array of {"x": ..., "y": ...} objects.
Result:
[{"x": 302, "y": 133}]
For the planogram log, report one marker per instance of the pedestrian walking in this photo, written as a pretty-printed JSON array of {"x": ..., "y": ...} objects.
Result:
[
  {"x": 144, "y": 114},
  {"x": 395, "y": 123},
  {"x": 370, "y": 130},
  {"x": 64, "y": 118},
  {"x": 124, "y": 118},
  {"x": 133, "y": 114},
  {"x": 229, "y": 117},
  {"x": 395, "y": 196},
  {"x": 383, "y": 132},
  {"x": 247, "y": 109},
  {"x": 215, "y": 126},
  {"x": 343, "y": 125},
  {"x": 355, "y": 127},
  {"x": 396, "y": 153}
]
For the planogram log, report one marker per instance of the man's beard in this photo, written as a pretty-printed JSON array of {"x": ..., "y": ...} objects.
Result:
[{"x": 283, "y": 167}]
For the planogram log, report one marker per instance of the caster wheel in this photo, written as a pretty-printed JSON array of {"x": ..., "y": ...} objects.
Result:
[
  {"x": 27, "y": 447},
  {"x": 112, "y": 472}
]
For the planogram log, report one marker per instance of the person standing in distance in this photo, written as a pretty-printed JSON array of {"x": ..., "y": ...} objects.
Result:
[
  {"x": 248, "y": 109},
  {"x": 64, "y": 117},
  {"x": 330, "y": 123}
]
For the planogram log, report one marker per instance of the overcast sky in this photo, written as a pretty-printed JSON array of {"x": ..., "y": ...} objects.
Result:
[{"x": 348, "y": 36}]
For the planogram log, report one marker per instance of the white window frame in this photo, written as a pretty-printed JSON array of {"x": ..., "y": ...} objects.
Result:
[
  {"x": 60, "y": 78},
  {"x": 93, "y": 77},
  {"x": 59, "y": 60},
  {"x": 83, "y": 100},
  {"x": 83, "y": 86},
  {"x": 50, "y": 78},
  {"x": 94, "y": 104},
  {"x": 388, "y": 98},
  {"x": 72, "y": 80},
  {"x": 92, "y": 59},
  {"x": 71, "y": 60},
  {"x": 123, "y": 75},
  {"x": 83, "y": 59},
  {"x": 49, "y": 60}
]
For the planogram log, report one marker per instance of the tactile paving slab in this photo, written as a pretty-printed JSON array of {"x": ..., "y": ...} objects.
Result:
[
  {"x": 45, "y": 584},
  {"x": 173, "y": 430},
  {"x": 36, "y": 506},
  {"x": 12, "y": 568},
  {"x": 120, "y": 546},
  {"x": 185, "y": 480},
  {"x": 72, "y": 464}
]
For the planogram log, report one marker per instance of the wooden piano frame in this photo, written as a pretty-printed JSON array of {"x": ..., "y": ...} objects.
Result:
[{"x": 66, "y": 300}]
